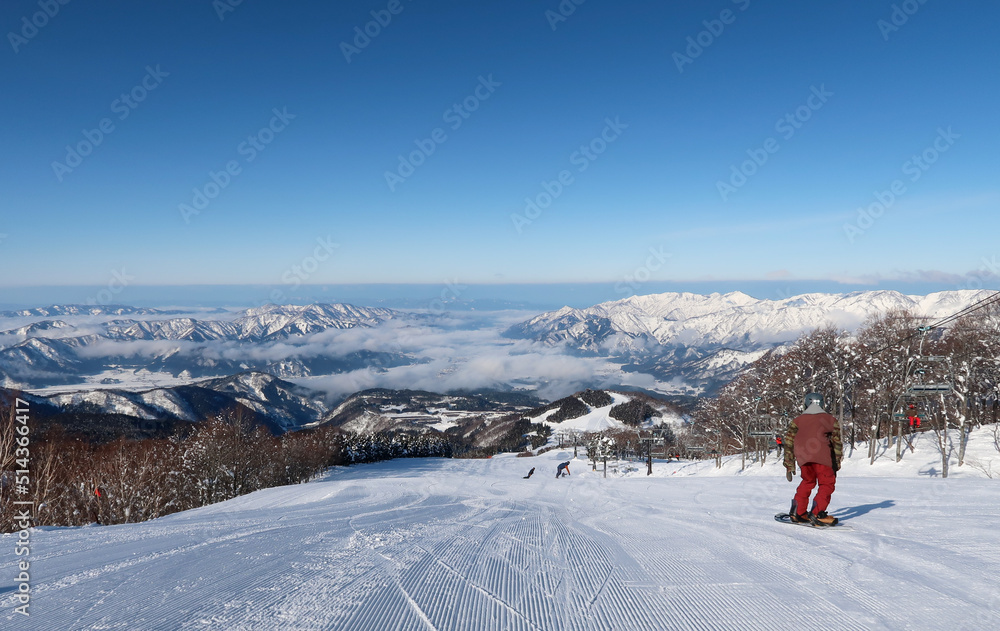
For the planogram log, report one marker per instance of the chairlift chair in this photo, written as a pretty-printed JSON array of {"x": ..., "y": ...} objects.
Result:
[{"x": 927, "y": 377}]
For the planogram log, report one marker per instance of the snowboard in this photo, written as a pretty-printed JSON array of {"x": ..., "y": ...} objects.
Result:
[{"x": 785, "y": 518}]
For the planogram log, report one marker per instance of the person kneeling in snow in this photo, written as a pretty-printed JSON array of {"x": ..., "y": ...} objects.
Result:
[
  {"x": 813, "y": 441},
  {"x": 562, "y": 468}
]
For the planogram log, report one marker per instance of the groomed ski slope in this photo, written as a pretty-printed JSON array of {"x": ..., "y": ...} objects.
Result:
[{"x": 469, "y": 545}]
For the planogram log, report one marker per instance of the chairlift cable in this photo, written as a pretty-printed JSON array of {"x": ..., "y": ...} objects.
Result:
[
  {"x": 921, "y": 330},
  {"x": 969, "y": 309},
  {"x": 980, "y": 304}
]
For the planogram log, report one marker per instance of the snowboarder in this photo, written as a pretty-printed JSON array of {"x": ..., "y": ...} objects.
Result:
[
  {"x": 530, "y": 473},
  {"x": 813, "y": 441},
  {"x": 562, "y": 468}
]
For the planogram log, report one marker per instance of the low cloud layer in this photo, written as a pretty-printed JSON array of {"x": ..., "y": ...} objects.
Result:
[
  {"x": 464, "y": 352},
  {"x": 443, "y": 352}
]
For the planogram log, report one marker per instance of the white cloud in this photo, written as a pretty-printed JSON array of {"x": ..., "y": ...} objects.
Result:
[
  {"x": 464, "y": 358},
  {"x": 450, "y": 351}
]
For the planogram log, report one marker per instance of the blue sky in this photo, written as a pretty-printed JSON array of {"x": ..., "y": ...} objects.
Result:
[{"x": 653, "y": 198}]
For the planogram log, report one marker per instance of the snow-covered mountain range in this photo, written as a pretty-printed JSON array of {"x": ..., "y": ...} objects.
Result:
[
  {"x": 680, "y": 344},
  {"x": 270, "y": 322},
  {"x": 278, "y": 404},
  {"x": 81, "y": 340},
  {"x": 83, "y": 310},
  {"x": 262, "y": 324},
  {"x": 703, "y": 341}
]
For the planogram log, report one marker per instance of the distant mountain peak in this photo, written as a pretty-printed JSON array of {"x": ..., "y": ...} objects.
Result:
[{"x": 669, "y": 334}]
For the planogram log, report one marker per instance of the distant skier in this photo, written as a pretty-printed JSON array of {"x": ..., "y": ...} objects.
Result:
[
  {"x": 562, "y": 468},
  {"x": 530, "y": 473},
  {"x": 813, "y": 441}
]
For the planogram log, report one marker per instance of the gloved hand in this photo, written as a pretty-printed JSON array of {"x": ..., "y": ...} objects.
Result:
[{"x": 788, "y": 474}]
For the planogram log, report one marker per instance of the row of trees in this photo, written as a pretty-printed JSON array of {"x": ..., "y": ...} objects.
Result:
[
  {"x": 865, "y": 378},
  {"x": 386, "y": 446},
  {"x": 74, "y": 481},
  {"x": 619, "y": 444}
]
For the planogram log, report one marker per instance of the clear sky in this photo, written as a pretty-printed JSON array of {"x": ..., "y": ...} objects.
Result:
[{"x": 694, "y": 141}]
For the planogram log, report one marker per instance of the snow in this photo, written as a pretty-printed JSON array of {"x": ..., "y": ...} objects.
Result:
[
  {"x": 443, "y": 425},
  {"x": 443, "y": 544},
  {"x": 727, "y": 358},
  {"x": 982, "y": 455},
  {"x": 365, "y": 423},
  {"x": 732, "y": 320},
  {"x": 131, "y": 380},
  {"x": 597, "y": 419}
]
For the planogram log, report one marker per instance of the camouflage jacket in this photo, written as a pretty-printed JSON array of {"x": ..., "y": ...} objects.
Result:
[{"x": 813, "y": 438}]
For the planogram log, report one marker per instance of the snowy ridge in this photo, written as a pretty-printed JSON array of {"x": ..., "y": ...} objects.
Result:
[
  {"x": 258, "y": 324},
  {"x": 585, "y": 417},
  {"x": 281, "y": 405},
  {"x": 291, "y": 405},
  {"x": 693, "y": 344},
  {"x": 597, "y": 419},
  {"x": 150, "y": 405},
  {"x": 732, "y": 320},
  {"x": 44, "y": 328},
  {"x": 380, "y": 409},
  {"x": 78, "y": 310},
  {"x": 702, "y": 373},
  {"x": 55, "y": 352}
]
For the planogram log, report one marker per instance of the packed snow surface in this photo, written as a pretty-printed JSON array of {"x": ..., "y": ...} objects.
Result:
[{"x": 442, "y": 544}]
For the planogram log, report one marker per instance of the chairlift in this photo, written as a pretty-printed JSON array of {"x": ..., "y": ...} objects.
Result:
[
  {"x": 929, "y": 389},
  {"x": 927, "y": 377}
]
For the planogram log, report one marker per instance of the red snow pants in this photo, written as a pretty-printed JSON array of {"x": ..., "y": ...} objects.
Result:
[{"x": 811, "y": 473}]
